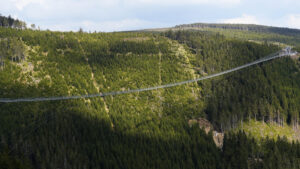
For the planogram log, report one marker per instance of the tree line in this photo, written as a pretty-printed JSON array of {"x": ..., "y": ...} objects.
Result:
[{"x": 10, "y": 22}]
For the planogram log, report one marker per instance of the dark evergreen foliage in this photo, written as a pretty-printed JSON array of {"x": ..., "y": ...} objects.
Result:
[
  {"x": 147, "y": 129},
  {"x": 10, "y": 22}
]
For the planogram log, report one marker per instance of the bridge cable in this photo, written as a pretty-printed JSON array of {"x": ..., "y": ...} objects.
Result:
[{"x": 39, "y": 99}]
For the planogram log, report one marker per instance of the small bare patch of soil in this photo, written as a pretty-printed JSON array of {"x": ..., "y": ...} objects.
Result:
[{"x": 295, "y": 56}]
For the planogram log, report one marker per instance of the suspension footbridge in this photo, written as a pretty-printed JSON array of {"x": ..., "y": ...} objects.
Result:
[{"x": 284, "y": 52}]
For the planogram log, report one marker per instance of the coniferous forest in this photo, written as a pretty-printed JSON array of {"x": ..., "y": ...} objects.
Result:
[{"x": 146, "y": 129}]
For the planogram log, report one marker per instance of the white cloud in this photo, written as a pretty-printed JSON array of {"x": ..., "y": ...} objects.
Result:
[
  {"x": 113, "y": 15},
  {"x": 186, "y": 2},
  {"x": 20, "y": 4},
  {"x": 244, "y": 19},
  {"x": 293, "y": 21},
  {"x": 67, "y": 4}
]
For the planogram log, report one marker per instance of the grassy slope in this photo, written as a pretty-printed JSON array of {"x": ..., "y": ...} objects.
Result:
[{"x": 260, "y": 130}]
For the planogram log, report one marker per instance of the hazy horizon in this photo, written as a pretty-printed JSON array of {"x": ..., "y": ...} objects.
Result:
[{"x": 122, "y": 15}]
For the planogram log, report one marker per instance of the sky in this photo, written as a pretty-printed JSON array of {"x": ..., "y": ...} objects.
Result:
[{"x": 122, "y": 15}]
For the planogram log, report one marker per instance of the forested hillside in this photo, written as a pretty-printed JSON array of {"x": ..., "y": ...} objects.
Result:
[
  {"x": 147, "y": 129},
  {"x": 269, "y": 92},
  {"x": 247, "y": 27},
  {"x": 254, "y": 33}
]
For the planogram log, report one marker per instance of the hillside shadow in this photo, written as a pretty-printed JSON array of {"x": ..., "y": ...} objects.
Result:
[{"x": 72, "y": 139}]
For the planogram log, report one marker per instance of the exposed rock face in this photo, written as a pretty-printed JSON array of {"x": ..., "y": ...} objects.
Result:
[
  {"x": 218, "y": 138},
  {"x": 296, "y": 56},
  {"x": 207, "y": 127}
]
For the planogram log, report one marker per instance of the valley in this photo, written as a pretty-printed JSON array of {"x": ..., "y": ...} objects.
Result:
[{"x": 226, "y": 122}]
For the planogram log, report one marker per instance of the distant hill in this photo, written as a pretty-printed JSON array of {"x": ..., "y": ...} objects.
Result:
[
  {"x": 246, "y": 27},
  {"x": 275, "y": 35}
]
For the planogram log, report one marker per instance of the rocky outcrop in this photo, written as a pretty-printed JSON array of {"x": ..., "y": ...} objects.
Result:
[{"x": 207, "y": 127}]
